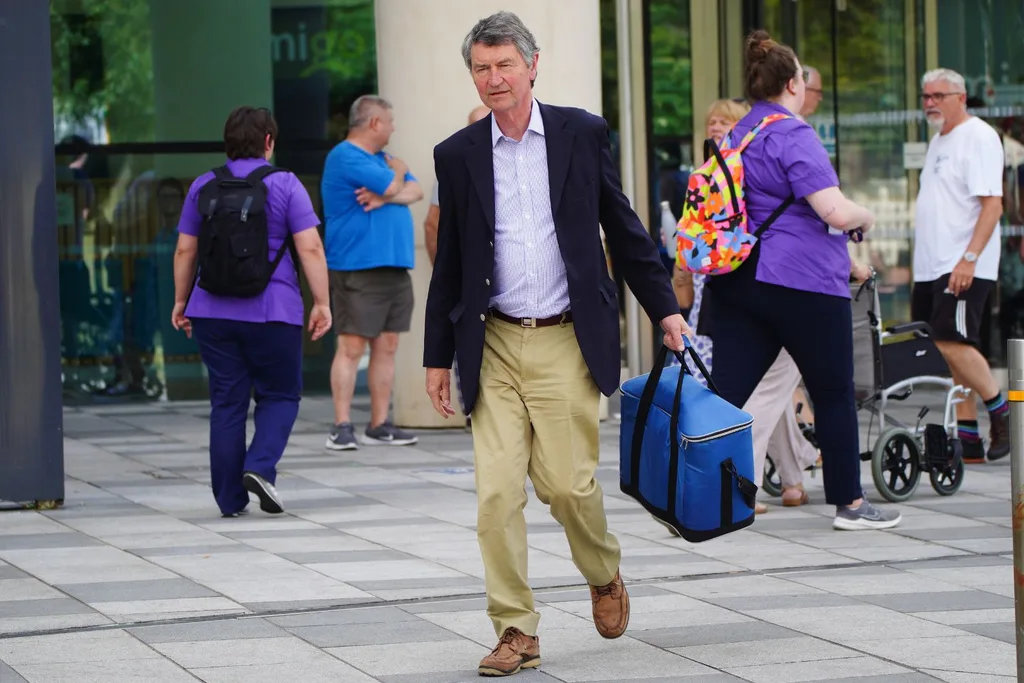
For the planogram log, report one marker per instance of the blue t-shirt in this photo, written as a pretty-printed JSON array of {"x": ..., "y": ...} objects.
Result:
[{"x": 356, "y": 239}]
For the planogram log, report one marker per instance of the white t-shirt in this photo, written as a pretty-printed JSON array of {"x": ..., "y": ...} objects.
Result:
[
  {"x": 434, "y": 201},
  {"x": 961, "y": 166}
]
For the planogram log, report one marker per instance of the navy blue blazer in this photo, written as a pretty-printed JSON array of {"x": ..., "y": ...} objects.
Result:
[{"x": 585, "y": 195}]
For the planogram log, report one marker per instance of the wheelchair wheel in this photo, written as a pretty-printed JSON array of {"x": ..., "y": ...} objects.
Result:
[
  {"x": 771, "y": 483},
  {"x": 948, "y": 479},
  {"x": 896, "y": 464}
]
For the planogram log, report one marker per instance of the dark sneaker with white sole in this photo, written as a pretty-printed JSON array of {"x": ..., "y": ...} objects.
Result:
[
  {"x": 866, "y": 516},
  {"x": 265, "y": 491},
  {"x": 342, "y": 438},
  {"x": 387, "y": 434}
]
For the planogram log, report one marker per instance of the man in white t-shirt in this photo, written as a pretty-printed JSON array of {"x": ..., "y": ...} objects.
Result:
[{"x": 956, "y": 249}]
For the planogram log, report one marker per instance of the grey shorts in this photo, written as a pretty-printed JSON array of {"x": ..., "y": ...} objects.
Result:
[{"x": 366, "y": 303}]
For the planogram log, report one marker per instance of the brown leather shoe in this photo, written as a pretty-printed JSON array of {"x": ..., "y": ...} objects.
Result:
[
  {"x": 515, "y": 651},
  {"x": 611, "y": 608}
]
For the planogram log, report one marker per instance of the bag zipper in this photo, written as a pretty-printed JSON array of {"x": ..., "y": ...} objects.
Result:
[
  {"x": 685, "y": 440},
  {"x": 700, "y": 439}
]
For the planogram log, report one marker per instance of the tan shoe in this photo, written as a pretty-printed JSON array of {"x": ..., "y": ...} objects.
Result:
[
  {"x": 611, "y": 607},
  {"x": 515, "y": 651}
]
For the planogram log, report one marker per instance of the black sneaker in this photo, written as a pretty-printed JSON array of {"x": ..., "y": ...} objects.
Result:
[
  {"x": 867, "y": 516},
  {"x": 974, "y": 451},
  {"x": 265, "y": 491},
  {"x": 387, "y": 434},
  {"x": 342, "y": 438},
  {"x": 999, "y": 436}
]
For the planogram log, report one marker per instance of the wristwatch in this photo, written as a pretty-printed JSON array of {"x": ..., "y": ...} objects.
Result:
[{"x": 970, "y": 256}]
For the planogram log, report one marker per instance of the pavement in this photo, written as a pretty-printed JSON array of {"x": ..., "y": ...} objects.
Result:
[{"x": 373, "y": 574}]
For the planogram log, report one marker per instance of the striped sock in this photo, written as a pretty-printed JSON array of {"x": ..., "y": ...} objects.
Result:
[
  {"x": 967, "y": 430},
  {"x": 997, "y": 406}
]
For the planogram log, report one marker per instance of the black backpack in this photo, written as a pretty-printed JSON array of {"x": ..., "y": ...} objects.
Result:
[{"x": 234, "y": 253}]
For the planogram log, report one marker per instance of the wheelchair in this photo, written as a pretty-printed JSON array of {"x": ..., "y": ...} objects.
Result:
[{"x": 889, "y": 364}]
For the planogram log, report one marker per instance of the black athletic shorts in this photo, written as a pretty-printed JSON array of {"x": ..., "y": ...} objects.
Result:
[{"x": 952, "y": 318}]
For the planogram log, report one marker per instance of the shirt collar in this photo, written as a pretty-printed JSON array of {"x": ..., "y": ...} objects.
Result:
[{"x": 536, "y": 124}]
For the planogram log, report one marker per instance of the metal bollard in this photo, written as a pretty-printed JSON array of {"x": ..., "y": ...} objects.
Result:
[{"x": 1015, "y": 357}]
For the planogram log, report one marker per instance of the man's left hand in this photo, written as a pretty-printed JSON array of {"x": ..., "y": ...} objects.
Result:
[
  {"x": 369, "y": 200},
  {"x": 675, "y": 328},
  {"x": 961, "y": 278}
]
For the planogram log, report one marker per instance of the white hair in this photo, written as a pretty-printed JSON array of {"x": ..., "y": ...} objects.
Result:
[
  {"x": 503, "y": 28},
  {"x": 948, "y": 75},
  {"x": 364, "y": 108}
]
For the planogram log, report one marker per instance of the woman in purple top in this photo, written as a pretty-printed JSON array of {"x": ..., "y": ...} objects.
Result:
[
  {"x": 793, "y": 291},
  {"x": 252, "y": 345}
]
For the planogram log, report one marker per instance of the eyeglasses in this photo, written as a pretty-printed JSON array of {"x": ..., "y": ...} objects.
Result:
[{"x": 938, "y": 97}]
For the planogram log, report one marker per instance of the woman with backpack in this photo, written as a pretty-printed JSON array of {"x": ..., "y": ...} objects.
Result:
[
  {"x": 775, "y": 425},
  {"x": 242, "y": 223},
  {"x": 790, "y": 290}
]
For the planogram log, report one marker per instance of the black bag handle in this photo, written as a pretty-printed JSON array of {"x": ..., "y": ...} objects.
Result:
[{"x": 647, "y": 400}]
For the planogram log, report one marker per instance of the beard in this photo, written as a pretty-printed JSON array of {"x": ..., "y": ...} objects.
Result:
[{"x": 935, "y": 121}]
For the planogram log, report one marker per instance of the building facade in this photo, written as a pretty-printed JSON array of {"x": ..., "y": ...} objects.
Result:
[{"x": 141, "y": 89}]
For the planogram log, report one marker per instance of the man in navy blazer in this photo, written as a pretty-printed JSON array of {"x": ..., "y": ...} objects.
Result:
[{"x": 521, "y": 292}]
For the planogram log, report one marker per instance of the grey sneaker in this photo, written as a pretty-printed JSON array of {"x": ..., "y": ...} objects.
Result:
[
  {"x": 342, "y": 438},
  {"x": 867, "y": 516},
  {"x": 387, "y": 434},
  {"x": 265, "y": 491}
]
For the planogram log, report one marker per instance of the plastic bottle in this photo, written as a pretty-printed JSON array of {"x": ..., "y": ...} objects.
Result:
[{"x": 668, "y": 228}]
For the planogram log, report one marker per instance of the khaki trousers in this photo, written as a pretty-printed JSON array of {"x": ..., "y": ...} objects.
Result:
[
  {"x": 775, "y": 427},
  {"x": 537, "y": 415}
]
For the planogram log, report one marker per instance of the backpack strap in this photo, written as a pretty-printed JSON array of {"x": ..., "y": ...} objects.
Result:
[
  {"x": 747, "y": 139},
  {"x": 766, "y": 121},
  {"x": 262, "y": 172},
  {"x": 781, "y": 209},
  {"x": 222, "y": 173}
]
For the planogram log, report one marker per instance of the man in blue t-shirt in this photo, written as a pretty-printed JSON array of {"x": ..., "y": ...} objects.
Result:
[{"x": 369, "y": 242}]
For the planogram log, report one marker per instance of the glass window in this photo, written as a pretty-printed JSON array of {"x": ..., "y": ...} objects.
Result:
[
  {"x": 859, "y": 111},
  {"x": 139, "y": 113},
  {"x": 670, "y": 109},
  {"x": 981, "y": 39}
]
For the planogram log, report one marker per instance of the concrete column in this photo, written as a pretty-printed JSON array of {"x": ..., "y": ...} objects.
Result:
[
  {"x": 31, "y": 441},
  {"x": 420, "y": 70}
]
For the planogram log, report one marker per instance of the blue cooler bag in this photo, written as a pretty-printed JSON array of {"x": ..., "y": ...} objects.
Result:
[{"x": 699, "y": 479}]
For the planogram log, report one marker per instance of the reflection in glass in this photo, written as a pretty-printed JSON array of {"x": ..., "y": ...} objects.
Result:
[{"x": 137, "y": 119}]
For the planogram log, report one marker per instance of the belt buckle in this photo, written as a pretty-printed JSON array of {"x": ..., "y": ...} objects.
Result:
[{"x": 528, "y": 322}]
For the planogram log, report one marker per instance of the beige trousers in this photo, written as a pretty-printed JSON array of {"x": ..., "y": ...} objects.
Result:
[
  {"x": 537, "y": 415},
  {"x": 775, "y": 427}
]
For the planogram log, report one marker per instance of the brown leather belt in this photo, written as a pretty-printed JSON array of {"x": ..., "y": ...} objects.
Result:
[{"x": 562, "y": 319}]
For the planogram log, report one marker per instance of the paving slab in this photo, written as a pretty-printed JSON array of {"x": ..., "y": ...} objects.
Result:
[{"x": 374, "y": 574}]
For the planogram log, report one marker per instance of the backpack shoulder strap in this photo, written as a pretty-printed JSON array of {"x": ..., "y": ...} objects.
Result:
[
  {"x": 766, "y": 121},
  {"x": 222, "y": 173},
  {"x": 262, "y": 172}
]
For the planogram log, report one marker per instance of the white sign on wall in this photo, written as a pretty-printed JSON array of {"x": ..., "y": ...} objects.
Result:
[{"x": 914, "y": 154}]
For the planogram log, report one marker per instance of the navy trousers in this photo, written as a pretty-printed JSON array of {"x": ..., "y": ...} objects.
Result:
[
  {"x": 245, "y": 360},
  {"x": 751, "y": 321}
]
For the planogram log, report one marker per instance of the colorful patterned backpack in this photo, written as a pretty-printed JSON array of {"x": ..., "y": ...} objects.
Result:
[{"x": 713, "y": 236}]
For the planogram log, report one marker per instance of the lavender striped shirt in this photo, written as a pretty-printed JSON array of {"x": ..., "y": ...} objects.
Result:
[{"x": 529, "y": 274}]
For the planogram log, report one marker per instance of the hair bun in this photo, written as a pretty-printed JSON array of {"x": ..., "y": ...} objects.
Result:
[{"x": 759, "y": 46}]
